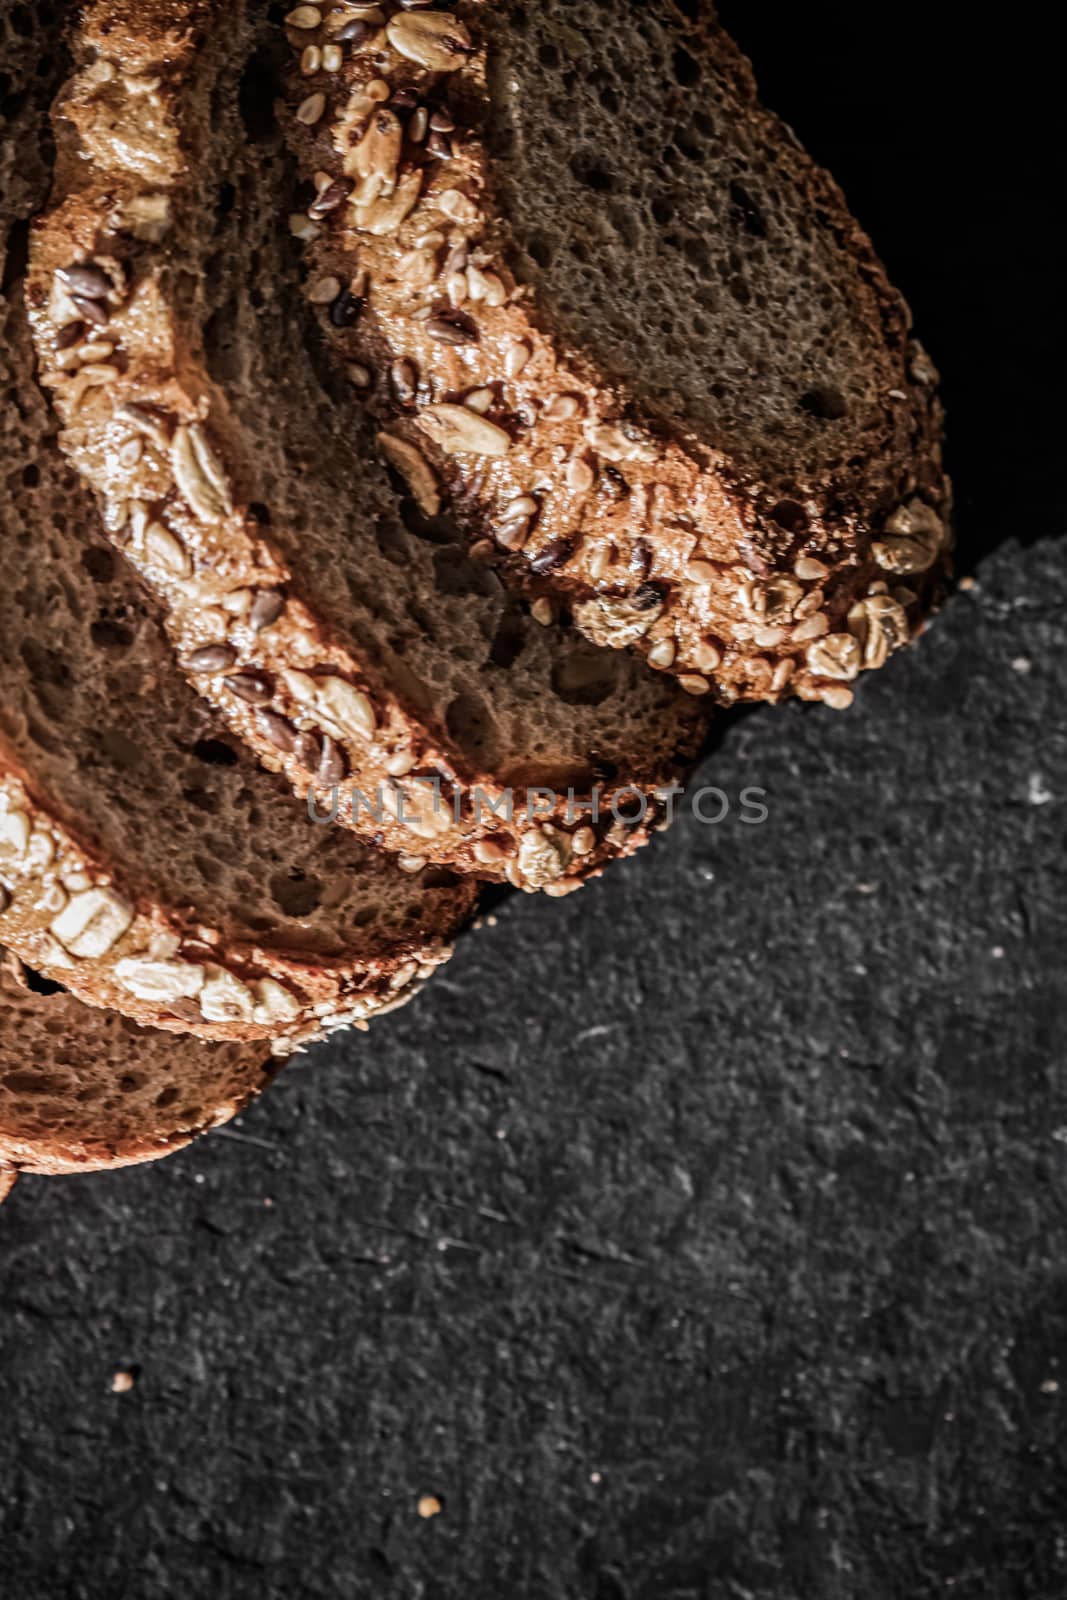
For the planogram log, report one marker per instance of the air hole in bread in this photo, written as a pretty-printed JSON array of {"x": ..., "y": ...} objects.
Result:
[
  {"x": 215, "y": 753},
  {"x": 295, "y": 894}
]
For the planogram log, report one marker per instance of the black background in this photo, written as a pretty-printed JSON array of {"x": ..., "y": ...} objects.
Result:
[{"x": 703, "y": 1236}]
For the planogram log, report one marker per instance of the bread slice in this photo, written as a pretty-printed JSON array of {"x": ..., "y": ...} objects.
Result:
[
  {"x": 613, "y": 311},
  {"x": 83, "y": 1089},
  {"x": 349, "y": 650},
  {"x": 145, "y": 861}
]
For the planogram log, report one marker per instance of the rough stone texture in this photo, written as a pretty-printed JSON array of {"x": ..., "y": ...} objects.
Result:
[{"x": 702, "y": 1236}]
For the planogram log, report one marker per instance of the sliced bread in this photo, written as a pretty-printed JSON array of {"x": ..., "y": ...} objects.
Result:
[
  {"x": 145, "y": 861},
  {"x": 351, "y": 648},
  {"x": 83, "y": 1089},
  {"x": 608, "y": 305}
]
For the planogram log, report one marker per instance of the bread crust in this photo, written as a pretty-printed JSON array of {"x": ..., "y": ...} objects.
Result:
[
  {"x": 82, "y": 1090},
  {"x": 149, "y": 430},
  {"x": 643, "y": 532}
]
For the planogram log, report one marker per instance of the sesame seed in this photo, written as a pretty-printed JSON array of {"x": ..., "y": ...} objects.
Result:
[
  {"x": 480, "y": 400},
  {"x": 701, "y": 571},
  {"x": 583, "y": 842},
  {"x": 663, "y": 653},
  {"x": 311, "y": 60},
  {"x": 693, "y": 684},
  {"x": 359, "y": 375},
  {"x": 416, "y": 129},
  {"x": 542, "y": 611},
  {"x": 332, "y": 58}
]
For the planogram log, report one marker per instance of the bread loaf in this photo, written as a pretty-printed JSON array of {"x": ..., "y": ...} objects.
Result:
[
  {"x": 614, "y": 313},
  {"x": 344, "y": 647}
]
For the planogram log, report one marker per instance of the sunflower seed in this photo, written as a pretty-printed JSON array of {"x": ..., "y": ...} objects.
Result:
[
  {"x": 459, "y": 431},
  {"x": 147, "y": 422},
  {"x": 345, "y": 310},
  {"x": 333, "y": 768},
  {"x": 164, "y": 548},
  {"x": 451, "y": 330},
  {"x": 348, "y": 708},
  {"x": 94, "y": 311},
  {"x": 556, "y": 553},
  {"x": 199, "y": 475},
  {"x": 307, "y": 749},
  {"x": 416, "y": 471},
  {"x": 329, "y": 198},
  {"x": 403, "y": 378},
  {"x": 267, "y": 607},
  {"x": 280, "y": 733},
  {"x": 254, "y": 688},
  {"x": 355, "y": 33},
  {"x": 83, "y": 278},
  {"x": 212, "y": 658},
  {"x": 70, "y": 335},
  {"x": 436, "y": 39}
]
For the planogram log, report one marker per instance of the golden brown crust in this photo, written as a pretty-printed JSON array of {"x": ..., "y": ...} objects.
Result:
[
  {"x": 150, "y": 432},
  {"x": 688, "y": 561}
]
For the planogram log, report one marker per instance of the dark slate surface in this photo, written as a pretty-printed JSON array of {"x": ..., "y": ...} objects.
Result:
[{"x": 701, "y": 1237}]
